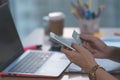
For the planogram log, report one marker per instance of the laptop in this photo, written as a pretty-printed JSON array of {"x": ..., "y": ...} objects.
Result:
[{"x": 15, "y": 61}]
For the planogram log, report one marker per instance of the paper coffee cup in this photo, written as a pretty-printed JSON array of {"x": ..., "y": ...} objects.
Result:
[{"x": 56, "y": 22}]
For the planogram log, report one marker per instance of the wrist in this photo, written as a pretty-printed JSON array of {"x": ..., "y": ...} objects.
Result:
[
  {"x": 114, "y": 53},
  {"x": 87, "y": 69},
  {"x": 92, "y": 72},
  {"x": 109, "y": 51}
]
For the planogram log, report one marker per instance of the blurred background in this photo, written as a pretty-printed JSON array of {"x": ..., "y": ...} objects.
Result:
[{"x": 29, "y": 14}]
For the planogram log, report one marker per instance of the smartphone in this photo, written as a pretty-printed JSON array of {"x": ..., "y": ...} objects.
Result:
[
  {"x": 61, "y": 40},
  {"x": 76, "y": 36}
]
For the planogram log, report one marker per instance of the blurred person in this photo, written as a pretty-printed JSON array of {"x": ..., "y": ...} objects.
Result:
[{"x": 84, "y": 56}]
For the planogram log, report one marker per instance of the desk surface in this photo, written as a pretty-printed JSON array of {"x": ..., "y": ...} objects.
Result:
[{"x": 38, "y": 37}]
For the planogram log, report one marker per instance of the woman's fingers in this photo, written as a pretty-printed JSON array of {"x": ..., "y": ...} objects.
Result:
[
  {"x": 87, "y": 46},
  {"x": 78, "y": 48},
  {"x": 67, "y": 52},
  {"x": 87, "y": 37}
]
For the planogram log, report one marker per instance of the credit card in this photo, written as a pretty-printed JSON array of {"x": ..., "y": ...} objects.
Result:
[{"x": 76, "y": 36}]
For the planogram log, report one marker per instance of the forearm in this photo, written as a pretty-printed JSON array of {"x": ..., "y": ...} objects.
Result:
[
  {"x": 103, "y": 75},
  {"x": 114, "y": 54}
]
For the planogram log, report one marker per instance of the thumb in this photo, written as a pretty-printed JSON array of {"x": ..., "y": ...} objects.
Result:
[{"x": 87, "y": 37}]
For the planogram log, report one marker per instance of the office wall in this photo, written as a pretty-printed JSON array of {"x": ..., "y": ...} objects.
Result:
[
  {"x": 29, "y": 14},
  {"x": 111, "y": 17}
]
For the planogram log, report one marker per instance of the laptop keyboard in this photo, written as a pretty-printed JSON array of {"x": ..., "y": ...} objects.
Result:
[{"x": 31, "y": 63}]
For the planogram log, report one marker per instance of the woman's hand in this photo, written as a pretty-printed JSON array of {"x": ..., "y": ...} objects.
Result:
[
  {"x": 81, "y": 57},
  {"x": 97, "y": 47}
]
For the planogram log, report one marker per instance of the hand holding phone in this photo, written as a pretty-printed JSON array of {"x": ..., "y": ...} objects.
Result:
[{"x": 61, "y": 40}]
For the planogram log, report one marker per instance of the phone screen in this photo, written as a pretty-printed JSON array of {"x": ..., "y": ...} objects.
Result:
[{"x": 61, "y": 40}]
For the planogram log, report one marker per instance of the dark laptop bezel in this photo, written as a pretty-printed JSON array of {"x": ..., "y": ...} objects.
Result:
[{"x": 7, "y": 20}]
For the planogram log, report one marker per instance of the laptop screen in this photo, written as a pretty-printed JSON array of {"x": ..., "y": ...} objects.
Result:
[{"x": 10, "y": 45}]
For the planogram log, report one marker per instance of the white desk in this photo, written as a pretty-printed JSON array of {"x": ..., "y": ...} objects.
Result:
[
  {"x": 38, "y": 37},
  {"x": 106, "y": 31}
]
